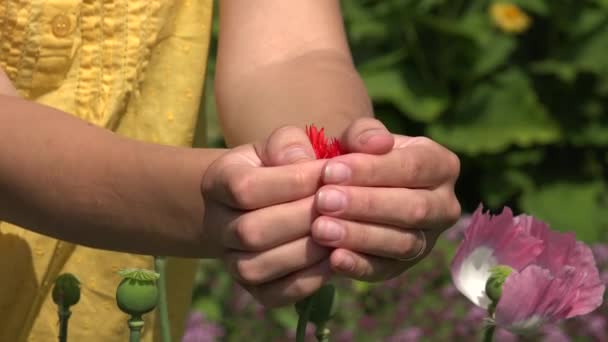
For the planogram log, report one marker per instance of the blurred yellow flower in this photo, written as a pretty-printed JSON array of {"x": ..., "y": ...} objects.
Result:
[{"x": 509, "y": 17}]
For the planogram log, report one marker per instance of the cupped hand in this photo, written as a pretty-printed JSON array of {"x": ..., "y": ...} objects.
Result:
[
  {"x": 386, "y": 202},
  {"x": 258, "y": 219}
]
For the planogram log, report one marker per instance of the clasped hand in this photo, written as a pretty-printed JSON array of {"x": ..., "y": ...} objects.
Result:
[{"x": 283, "y": 223}]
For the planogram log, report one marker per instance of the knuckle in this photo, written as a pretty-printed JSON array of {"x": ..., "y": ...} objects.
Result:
[
  {"x": 421, "y": 209},
  {"x": 366, "y": 203},
  {"x": 300, "y": 179},
  {"x": 453, "y": 163},
  {"x": 299, "y": 289},
  {"x": 454, "y": 212},
  {"x": 359, "y": 237},
  {"x": 248, "y": 273},
  {"x": 248, "y": 234},
  {"x": 285, "y": 130},
  {"x": 240, "y": 189},
  {"x": 360, "y": 270},
  {"x": 407, "y": 247},
  {"x": 424, "y": 141},
  {"x": 413, "y": 167}
]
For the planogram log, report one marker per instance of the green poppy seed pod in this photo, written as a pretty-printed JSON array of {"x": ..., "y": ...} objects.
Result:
[
  {"x": 66, "y": 291},
  {"x": 137, "y": 293},
  {"x": 324, "y": 304},
  {"x": 498, "y": 275}
]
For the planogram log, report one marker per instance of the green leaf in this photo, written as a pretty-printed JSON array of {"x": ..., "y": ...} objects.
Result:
[
  {"x": 499, "y": 188},
  {"x": 405, "y": 92},
  {"x": 566, "y": 72},
  {"x": 286, "y": 316},
  {"x": 578, "y": 207},
  {"x": 496, "y": 115},
  {"x": 210, "y": 306},
  {"x": 494, "y": 53}
]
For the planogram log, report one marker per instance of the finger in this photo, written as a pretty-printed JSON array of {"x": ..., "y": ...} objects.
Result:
[
  {"x": 413, "y": 208},
  {"x": 269, "y": 227},
  {"x": 413, "y": 166},
  {"x": 293, "y": 287},
  {"x": 367, "y": 135},
  {"x": 373, "y": 268},
  {"x": 286, "y": 145},
  {"x": 245, "y": 187},
  {"x": 260, "y": 268},
  {"x": 373, "y": 239}
]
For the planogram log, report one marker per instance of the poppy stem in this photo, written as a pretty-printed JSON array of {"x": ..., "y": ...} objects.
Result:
[
  {"x": 488, "y": 335},
  {"x": 303, "y": 321},
  {"x": 163, "y": 310},
  {"x": 135, "y": 326},
  {"x": 64, "y": 316}
]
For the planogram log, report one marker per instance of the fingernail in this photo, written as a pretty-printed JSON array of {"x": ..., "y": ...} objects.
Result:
[
  {"x": 336, "y": 173},
  {"x": 296, "y": 154},
  {"x": 331, "y": 200},
  {"x": 347, "y": 263},
  {"x": 370, "y": 133},
  {"x": 329, "y": 230}
]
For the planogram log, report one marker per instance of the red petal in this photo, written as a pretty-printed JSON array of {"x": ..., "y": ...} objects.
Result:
[{"x": 323, "y": 148}]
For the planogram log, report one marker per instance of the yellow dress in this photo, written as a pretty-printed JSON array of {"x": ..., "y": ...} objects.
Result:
[{"x": 132, "y": 66}]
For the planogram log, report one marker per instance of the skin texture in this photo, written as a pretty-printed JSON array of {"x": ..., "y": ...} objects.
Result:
[{"x": 261, "y": 206}]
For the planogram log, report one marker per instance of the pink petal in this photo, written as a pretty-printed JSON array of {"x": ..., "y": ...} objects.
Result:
[
  {"x": 561, "y": 250},
  {"x": 533, "y": 296},
  {"x": 591, "y": 289},
  {"x": 557, "y": 246},
  {"x": 489, "y": 241},
  {"x": 512, "y": 246}
]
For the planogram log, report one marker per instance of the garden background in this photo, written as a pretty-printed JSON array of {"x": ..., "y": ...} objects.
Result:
[{"x": 520, "y": 94}]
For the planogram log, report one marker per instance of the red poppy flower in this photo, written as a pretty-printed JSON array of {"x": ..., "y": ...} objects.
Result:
[{"x": 324, "y": 148}]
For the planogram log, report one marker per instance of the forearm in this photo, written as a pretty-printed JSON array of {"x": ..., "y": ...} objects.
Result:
[
  {"x": 62, "y": 177},
  {"x": 320, "y": 87},
  {"x": 285, "y": 63}
]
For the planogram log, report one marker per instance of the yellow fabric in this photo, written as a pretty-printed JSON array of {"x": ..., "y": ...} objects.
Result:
[{"x": 132, "y": 66}]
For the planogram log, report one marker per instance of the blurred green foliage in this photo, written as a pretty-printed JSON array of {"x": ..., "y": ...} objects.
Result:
[{"x": 525, "y": 112}]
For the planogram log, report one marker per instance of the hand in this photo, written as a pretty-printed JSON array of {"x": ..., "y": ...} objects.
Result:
[
  {"x": 383, "y": 212},
  {"x": 257, "y": 220}
]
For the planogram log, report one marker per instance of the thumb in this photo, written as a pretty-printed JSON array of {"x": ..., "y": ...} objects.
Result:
[
  {"x": 367, "y": 135},
  {"x": 6, "y": 87},
  {"x": 286, "y": 145}
]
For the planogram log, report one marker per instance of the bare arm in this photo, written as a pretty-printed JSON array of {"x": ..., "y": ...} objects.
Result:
[
  {"x": 285, "y": 63},
  {"x": 68, "y": 179}
]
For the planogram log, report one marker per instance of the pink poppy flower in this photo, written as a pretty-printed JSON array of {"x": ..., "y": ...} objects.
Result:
[
  {"x": 553, "y": 276},
  {"x": 323, "y": 147}
]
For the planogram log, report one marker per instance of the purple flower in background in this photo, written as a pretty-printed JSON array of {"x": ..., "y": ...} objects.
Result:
[
  {"x": 503, "y": 335},
  {"x": 411, "y": 334},
  {"x": 600, "y": 251},
  {"x": 198, "y": 329},
  {"x": 345, "y": 336},
  {"x": 597, "y": 327},
  {"x": 550, "y": 277},
  {"x": 552, "y": 333}
]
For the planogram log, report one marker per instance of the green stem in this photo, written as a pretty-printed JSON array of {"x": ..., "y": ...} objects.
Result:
[
  {"x": 163, "y": 309},
  {"x": 488, "y": 335},
  {"x": 64, "y": 316},
  {"x": 135, "y": 326},
  {"x": 322, "y": 333},
  {"x": 303, "y": 322}
]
